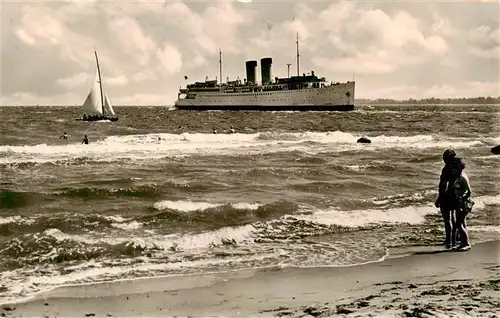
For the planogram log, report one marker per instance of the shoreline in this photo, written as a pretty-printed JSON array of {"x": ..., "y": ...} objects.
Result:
[
  {"x": 440, "y": 281},
  {"x": 230, "y": 273},
  {"x": 397, "y": 252}
]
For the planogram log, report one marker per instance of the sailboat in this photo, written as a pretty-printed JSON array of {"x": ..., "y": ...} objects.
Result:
[{"x": 97, "y": 105}]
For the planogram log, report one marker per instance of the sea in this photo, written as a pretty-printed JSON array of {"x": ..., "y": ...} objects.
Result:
[{"x": 158, "y": 194}]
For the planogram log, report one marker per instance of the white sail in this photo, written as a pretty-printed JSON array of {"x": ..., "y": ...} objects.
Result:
[
  {"x": 92, "y": 105},
  {"x": 108, "y": 108},
  {"x": 97, "y": 103}
]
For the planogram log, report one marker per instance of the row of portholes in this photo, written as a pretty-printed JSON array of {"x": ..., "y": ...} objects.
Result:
[
  {"x": 251, "y": 100},
  {"x": 255, "y": 95},
  {"x": 256, "y": 99},
  {"x": 247, "y": 100}
]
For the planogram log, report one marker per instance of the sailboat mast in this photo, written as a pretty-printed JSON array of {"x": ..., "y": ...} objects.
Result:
[
  {"x": 220, "y": 65},
  {"x": 100, "y": 81},
  {"x": 298, "y": 72}
]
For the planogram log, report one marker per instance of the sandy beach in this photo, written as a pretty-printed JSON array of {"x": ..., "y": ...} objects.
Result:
[{"x": 429, "y": 282}]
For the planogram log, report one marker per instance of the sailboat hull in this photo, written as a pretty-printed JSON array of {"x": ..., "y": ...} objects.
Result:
[{"x": 101, "y": 118}]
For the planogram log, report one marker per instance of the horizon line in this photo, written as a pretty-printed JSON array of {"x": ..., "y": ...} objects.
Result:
[{"x": 359, "y": 100}]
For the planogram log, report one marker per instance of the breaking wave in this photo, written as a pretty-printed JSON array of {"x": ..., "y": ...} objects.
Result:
[
  {"x": 157, "y": 146},
  {"x": 287, "y": 235}
]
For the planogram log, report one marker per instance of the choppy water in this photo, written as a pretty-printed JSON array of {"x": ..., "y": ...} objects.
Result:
[{"x": 148, "y": 198}]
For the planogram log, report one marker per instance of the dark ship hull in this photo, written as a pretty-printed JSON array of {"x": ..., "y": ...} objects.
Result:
[{"x": 267, "y": 107}]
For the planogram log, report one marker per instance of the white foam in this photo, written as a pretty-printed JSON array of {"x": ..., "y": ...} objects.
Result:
[
  {"x": 16, "y": 219},
  {"x": 155, "y": 146},
  {"x": 407, "y": 214},
  {"x": 25, "y": 281},
  {"x": 185, "y": 206},
  {"x": 491, "y": 157},
  {"x": 23, "y": 288},
  {"x": 357, "y": 167},
  {"x": 484, "y": 228},
  {"x": 482, "y": 201},
  {"x": 357, "y": 218},
  {"x": 189, "y": 206},
  {"x": 402, "y": 197},
  {"x": 239, "y": 234},
  {"x": 246, "y": 206},
  {"x": 115, "y": 218},
  {"x": 494, "y": 140},
  {"x": 183, "y": 242},
  {"x": 134, "y": 225}
]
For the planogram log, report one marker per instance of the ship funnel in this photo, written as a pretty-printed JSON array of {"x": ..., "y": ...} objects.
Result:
[
  {"x": 265, "y": 69},
  {"x": 251, "y": 67}
]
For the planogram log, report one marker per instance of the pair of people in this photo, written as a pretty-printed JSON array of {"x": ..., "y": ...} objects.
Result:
[
  {"x": 231, "y": 131},
  {"x": 92, "y": 117},
  {"x": 84, "y": 141},
  {"x": 454, "y": 201}
]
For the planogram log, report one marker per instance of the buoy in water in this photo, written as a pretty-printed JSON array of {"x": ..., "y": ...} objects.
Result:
[{"x": 364, "y": 140}]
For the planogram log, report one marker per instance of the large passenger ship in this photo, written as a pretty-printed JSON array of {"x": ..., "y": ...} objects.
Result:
[{"x": 301, "y": 92}]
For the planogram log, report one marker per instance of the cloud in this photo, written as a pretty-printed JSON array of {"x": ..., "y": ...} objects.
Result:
[
  {"x": 368, "y": 41},
  {"x": 197, "y": 61},
  {"x": 216, "y": 26},
  {"x": 146, "y": 75},
  {"x": 26, "y": 37},
  {"x": 170, "y": 58},
  {"x": 474, "y": 88},
  {"x": 147, "y": 47},
  {"x": 469, "y": 89},
  {"x": 121, "y": 80},
  {"x": 31, "y": 31},
  {"x": 485, "y": 42},
  {"x": 131, "y": 38},
  {"x": 28, "y": 98},
  {"x": 45, "y": 27},
  {"x": 142, "y": 99},
  {"x": 73, "y": 80}
]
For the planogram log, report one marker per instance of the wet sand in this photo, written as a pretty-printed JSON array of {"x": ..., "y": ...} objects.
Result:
[{"x": 430, "y": 282}]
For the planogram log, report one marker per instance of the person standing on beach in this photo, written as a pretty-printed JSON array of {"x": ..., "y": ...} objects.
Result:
[
  {"x": 444, "y": 199},
  {"x": 462, "y": 202}
]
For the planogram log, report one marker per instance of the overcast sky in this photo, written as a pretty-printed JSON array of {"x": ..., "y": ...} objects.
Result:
[{"x": 394, "y": 49}]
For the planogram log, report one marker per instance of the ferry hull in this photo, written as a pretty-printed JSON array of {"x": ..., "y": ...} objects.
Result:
[{"x": 267, "y": 107}]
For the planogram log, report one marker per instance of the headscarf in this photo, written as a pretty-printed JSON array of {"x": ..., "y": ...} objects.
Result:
[{"x": 448, "y": 154}]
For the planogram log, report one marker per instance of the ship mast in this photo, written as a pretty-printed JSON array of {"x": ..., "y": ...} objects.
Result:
[
  {"x": 298, "y": 69},
  {"x": 100, "y": 81},
  {"x": 220, "y": 65}
]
